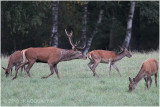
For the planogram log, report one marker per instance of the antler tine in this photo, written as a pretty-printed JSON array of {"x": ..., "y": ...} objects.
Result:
[
  {"x": 77, "y": 43},
  {"x": 70, "y": 39},
  {"x": 80, "y": 48},
  {"x": 69, "y": 35}
]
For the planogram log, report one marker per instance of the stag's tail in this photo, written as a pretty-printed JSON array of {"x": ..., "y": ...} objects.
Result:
[{"x": 24, "y": 56}]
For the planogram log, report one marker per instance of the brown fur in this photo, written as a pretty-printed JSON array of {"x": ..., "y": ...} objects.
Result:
[
  {"x": 148, "y": 68},
  {"x": 50, "y": 55},
  {"x": 15, "y": 59},
  {"x": 102, "y": 56}
]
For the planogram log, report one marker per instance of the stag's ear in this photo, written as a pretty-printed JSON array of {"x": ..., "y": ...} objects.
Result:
[
  {"x": 130, "y": 79},
  {"x": 4, "y": 68}
]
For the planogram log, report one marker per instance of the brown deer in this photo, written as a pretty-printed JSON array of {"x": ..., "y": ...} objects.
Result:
[
  {"x": 102, "y": 56},
  {"x": 148, "y": 68},
  {"x": 15, "y": 59},
  {"x": 51, "y": 55}
]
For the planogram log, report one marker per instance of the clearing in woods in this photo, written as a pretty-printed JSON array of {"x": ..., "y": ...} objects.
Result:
[{"x": 78, "y": 87}]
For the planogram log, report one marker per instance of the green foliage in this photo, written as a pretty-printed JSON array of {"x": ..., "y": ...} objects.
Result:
[
  {"x": 29, "y": 23},
  {"x": 78, "y": 87}
]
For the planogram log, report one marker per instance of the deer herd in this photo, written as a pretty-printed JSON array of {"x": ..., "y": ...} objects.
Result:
[{"x": 53, "y": 56}]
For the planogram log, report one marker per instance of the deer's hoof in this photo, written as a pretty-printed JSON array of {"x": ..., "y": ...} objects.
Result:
[
  {"x": 13, "y": 78},
  {"x": 43, "y": 77}
]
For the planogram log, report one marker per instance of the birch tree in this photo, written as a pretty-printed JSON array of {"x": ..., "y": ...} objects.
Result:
[
  {"x": 84, "y": 29},
  {"x": 89, "y": 42},
  {"x": 54, "y": 33},
  {"x": 129, "y": 25}
]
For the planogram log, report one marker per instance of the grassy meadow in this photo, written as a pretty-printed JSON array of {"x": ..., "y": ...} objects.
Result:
[{"x": 78, "y": 87}]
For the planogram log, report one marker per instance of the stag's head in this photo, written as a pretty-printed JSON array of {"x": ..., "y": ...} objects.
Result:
[
  {"x": 6, "y": 71},
  {"x": 132, "y": 84},
  {"x": 77, "y": 51}
]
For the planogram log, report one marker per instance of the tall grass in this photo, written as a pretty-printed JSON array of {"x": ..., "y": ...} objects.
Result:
[{"x": 78, "y": 87}]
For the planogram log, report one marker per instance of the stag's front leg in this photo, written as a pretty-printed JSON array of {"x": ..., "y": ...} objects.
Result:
[
  {"x": 56, "y": 70},
  {"x": 51, "y": 69},
  {"x": 116, "y": 68}
]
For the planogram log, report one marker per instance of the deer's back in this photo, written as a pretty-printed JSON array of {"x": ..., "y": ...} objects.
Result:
[
  {"x": 16, "y": 57},
  {"x": 150, "y": 66},
  {"x": 43, "y": 54},
  {"x": 102, "y": 54}
]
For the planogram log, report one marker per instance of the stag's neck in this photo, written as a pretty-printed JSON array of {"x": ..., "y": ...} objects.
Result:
[
  {"x": 66, "y": 55},
  {"x": 119, "y": 56}
]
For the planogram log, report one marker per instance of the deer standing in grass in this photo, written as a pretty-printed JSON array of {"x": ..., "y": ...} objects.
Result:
[
  {"x": 15, "y": 59},
  {"x": 102, "y": 56},
  {"x": 51, "y": 55},
  {"x": 148, "y": 68}
]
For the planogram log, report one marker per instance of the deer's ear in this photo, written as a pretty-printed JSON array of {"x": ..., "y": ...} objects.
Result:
[
  {"x": 130, "y": 79},
  {"x": 134, "y": 79},
  {"x": 4, "y": 68}
]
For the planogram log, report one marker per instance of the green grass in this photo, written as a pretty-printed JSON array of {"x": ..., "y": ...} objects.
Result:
[{"x": 78, "y": 87}]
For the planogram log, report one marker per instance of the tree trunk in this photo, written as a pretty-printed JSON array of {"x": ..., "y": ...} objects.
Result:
[
  {"x": 84, "y": 29},
  {"x": 54, "y": 33},
  {"x": 135, "y": 44},
  {"x": 129, "y": 25},
  {"x": 111, "y": 34},
  {"x": 94, "y": 32}
]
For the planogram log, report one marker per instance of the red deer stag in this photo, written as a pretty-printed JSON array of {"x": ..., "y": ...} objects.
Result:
[
  {"x": 102, "y": 56},
  {"x": 51, "y": 55},
  {"x": 15, "y": 59},
  {"x": 148, "y": 68}
]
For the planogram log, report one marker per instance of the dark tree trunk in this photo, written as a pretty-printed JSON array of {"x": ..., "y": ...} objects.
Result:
[
  {"x": 111, "y": 34},
  {"x": 89, "y": 42},
  {"x": 54, "y": 33},
  {"x": 129, "y": 25},
  {"x": 135, "y": 40},
  {"x": 84, "y": 29}
]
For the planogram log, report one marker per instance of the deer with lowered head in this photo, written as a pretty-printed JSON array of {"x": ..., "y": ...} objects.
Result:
[
  {"x": 109, "y": 57},
  {"x": 51, "y": 55},
  {"x": 148, "y": 68},
  {"x": 15, "y": 59}
]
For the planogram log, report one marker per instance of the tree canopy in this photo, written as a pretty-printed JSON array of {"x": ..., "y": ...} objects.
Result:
[{"x": 27, "y": 24}]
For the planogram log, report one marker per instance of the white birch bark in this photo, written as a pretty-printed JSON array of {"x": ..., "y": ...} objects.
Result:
[
  {"x": 129, "y": 25},
  {"x": 54, "y": 33}
]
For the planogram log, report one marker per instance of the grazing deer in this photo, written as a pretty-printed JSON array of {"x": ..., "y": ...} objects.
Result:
[
  {"x": 148, "y": 68},
  {"x": 102, "y": 56},
  {"x": 51, "y": 55},
  {"x": 15, "y": 59}
]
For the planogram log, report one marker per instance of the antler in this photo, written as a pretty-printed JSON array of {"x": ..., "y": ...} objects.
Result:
[
  {"x": 70, "y": 39},
  {"x": 74, "y": 46}
]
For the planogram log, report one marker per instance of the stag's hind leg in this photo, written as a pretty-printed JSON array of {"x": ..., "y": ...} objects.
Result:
[
  {"x": 116, "y": 68},
  {"x": 51, "y": 69},
  {"x": 30, "y": 64},
  {"x": 156, "y": 79},
  {"x": 94, "y": 67},
  {"x": 90, "y": 64},
  {"x": 56, "y": 70}
]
